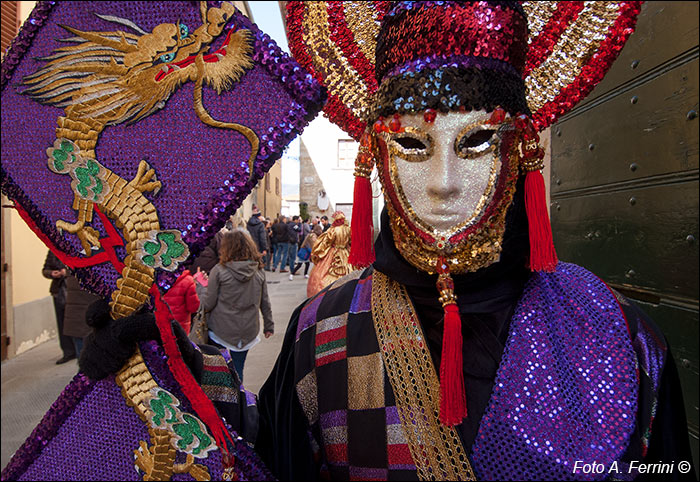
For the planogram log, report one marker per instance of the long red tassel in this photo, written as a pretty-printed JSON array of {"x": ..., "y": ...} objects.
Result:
[
  {"x": 200, "y": 402},
  {"x": 453, "y": 399},
  {"x": 362, "y": 225},
  {"x": 543, "y": 256}
]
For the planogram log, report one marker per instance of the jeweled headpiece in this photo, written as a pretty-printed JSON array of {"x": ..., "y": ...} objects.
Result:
[
  {"x": 451, "y": 55},
  {"x": 525, "y": 63}
]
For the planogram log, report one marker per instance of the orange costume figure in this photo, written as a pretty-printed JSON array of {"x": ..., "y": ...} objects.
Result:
[{"x": 330, "y": 255}]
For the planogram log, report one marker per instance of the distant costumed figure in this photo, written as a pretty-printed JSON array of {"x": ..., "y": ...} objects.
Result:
[{"x": 330, "y": 255}]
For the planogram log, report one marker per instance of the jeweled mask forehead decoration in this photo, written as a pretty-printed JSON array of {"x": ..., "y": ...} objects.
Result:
[{"x": 451, "y": 55}]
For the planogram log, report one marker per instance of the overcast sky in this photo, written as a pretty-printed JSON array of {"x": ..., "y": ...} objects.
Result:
[{"x": 268, "y": 17}]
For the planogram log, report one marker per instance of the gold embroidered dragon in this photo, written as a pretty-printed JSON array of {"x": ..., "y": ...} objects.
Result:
[
  {"x": 116, "y": 77},
  {"x": 107, "y": 78}
]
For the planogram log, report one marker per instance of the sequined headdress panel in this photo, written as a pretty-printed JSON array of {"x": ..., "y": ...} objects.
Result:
[
  {"x": 450, "y": 56},
  {"x": 572, "y": 45}
]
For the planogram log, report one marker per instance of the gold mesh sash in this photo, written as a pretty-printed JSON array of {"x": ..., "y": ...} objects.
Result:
[{"x": 436, "y": 449}]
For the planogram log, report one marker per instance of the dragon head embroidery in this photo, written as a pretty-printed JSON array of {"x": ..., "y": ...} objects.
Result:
[{"x": 116, "y": 77}]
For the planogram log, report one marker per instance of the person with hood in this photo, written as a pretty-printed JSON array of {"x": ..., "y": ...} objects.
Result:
[
  {"x": 236, "y": 294},
  {"x": 183, "y": 300},
  {"x": 257, "y": 231}
]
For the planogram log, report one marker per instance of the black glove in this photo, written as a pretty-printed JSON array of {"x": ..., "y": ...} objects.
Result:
[{"x": 113, "y": 342}]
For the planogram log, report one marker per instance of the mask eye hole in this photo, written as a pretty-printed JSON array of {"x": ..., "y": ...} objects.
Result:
[
  {"x": 478, "y": 138},
  {"x": 475, "y": 142},
  {"x": 410, "y": 143}
]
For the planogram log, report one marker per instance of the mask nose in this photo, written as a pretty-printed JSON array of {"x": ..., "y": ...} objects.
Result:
[{"x": 443, "y": 182}]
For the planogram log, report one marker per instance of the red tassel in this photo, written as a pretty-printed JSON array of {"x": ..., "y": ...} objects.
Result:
[
  {"x": 362, "y": 226},
  {"x": 453, "y": 400},
  {"x": 543, "y": 256},
  {"x": 200, "y": 402}
]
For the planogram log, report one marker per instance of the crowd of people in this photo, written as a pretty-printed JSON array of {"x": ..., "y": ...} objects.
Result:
[{"x": 226, "y": 283}]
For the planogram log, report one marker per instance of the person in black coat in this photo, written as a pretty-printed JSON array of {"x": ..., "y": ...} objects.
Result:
[
  {"x": 257, "y": 231},
  {"x": 57, "y": 272},
  {"x": 293, "y": 235},
  {"x": 280, "y": 239}
]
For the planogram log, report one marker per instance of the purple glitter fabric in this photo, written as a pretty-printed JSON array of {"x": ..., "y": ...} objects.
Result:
[
  {"x": 437, "y": 62},
  {"x": 204, "y": 170},
  {"x": 90, "y": 434},
  {"x": 307, "y": 317},
  {"x": 48, "y": 427},
  {"x": 564, "y": 391},
  {"x": 652, "y": 353},
  {"x": 94, "y": 441},
  {"x": 362, "y": 297}
]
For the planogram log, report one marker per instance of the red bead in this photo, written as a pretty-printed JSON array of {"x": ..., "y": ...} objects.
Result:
[
  {"x": 379, "y": 126},
  {"x": 498, "y": 116},
  {"x": 395, "y": 124},
  {"x": 429, "y": 116}
]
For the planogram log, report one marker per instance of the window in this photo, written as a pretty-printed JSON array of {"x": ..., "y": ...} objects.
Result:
[
  {"x": 267, "y": 182},
  {"x": 347, "y": 152},
  {"x": 277, "y": 186}
]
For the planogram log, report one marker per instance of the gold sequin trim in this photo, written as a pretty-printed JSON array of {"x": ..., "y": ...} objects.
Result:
[
  {"x": 436, "y": 449},
  {"x": 538, "y": 14},
  {"x": 575, "y": 47},
  {"x": 340, "y": 77},
  {"x": 362, "y": 21}
]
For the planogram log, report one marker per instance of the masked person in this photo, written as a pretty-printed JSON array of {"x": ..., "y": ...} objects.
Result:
[{"x": 466, "y": 350}]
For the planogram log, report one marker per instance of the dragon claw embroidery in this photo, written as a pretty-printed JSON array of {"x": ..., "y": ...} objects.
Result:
[
  {"x": 190, "y": 434},
  {"x": 163, "y": 249},
  {"x": 170, "y": 430},
  {"x": 133, "y": 76}
]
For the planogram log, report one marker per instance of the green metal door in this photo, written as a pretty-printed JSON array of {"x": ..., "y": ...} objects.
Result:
[{"x": 624, "y": 182}]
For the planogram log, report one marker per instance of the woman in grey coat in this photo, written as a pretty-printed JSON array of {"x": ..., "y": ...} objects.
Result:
[{"x": 236, "y": 294}]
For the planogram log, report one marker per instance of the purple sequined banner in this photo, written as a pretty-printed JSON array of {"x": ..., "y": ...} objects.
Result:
[{"x": 203, "y": 170}]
